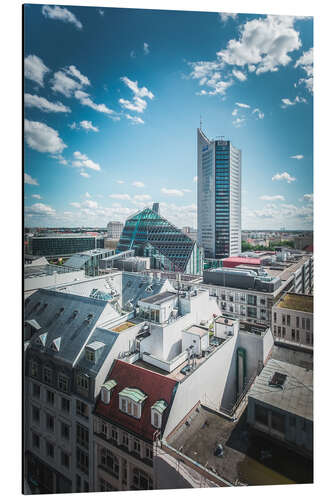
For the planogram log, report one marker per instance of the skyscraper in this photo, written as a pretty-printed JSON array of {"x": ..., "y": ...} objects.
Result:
[{"x": 219, "y": 197}]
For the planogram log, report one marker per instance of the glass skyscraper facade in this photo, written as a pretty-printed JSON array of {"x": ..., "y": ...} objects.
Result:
[
  {"x": 219, "y": 197},
  {"x": 151, "y": 235}
]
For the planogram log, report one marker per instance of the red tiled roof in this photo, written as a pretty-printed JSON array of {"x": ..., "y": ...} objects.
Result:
[{"x": 154, "y": 385}]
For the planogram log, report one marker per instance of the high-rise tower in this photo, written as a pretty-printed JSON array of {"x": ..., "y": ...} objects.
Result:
[{"x": 219, "y": 197}]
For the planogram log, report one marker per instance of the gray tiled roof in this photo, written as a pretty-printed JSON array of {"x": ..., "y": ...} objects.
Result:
[
  {"x": 59, "y": 319},
  {"x": 100, "y": 335},
  {"x": 296, "y": 394}
]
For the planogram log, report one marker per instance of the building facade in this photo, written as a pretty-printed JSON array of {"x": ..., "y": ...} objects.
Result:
[
  {"x": 63, "y": 245},
  {"x": 114, "y": 229},
  {"x": 168, "y": 248},
  {"x": 219, "y": 197},
  {"x": 292, "y": 320}
]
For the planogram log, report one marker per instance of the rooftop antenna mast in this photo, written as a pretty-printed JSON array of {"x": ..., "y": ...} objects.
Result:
[{"x": 200, "y": 122}]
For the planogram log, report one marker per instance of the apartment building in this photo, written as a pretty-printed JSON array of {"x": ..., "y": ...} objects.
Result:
[{"x": 292, "y": 320}]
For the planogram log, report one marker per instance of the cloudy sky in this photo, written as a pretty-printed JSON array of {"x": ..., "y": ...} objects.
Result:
[{"x": 113, "y": 98}]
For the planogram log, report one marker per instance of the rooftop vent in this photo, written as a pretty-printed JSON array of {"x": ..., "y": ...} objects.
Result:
[{"x": 278, "y": 380}]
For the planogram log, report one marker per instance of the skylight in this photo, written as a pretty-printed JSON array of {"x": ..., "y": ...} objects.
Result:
[{"x": 278, "y": 379}]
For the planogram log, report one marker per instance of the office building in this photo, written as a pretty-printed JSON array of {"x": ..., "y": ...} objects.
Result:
[
  {"x": 219, "y": 197},
  {"x": 292, "y": 320},
  {"x": 169, "y": 249},
  {"x": 63, "y": 244},
  {"x": 114, "y": 229},
  {"x": 89, "y": 261}
]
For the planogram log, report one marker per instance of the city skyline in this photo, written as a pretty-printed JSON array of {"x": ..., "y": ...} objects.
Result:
[{"x": 111, "y": 131}]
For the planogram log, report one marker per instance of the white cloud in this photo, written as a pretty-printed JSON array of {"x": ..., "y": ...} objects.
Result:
[
  {"x": 287, "y": 102},
  {"x": 264, "y": 44},
  {"x": 306, "y": 63},
  {"x": 242, "y": 105},
  {"x": 297, "y": 157},
  {"x": 276, "y": 197},
  {"x": 82, "y": 160},
  {"x": 132, "y": 54},
  {"x": 187, "y": 190},
  {"x": 134, "y": 119},
  {"x": 60, "y": 159},
  {"x": 138, "y": 184},
  {"x": 85, "y": 100},
  {"x": 224, "y": 17},
  {"x": 37, "y": 196},
  {"x": 137, "y": 91},
  {"x": 87, "y": 125},
  {"x": 75, "y": 204},
  {"x": 146, "y": 48},
  {"x": 90, "y": 204},
  {"x": 29, "y": 180},
  {"x": 35, "y": 69},
  {"x": 141, "y": 197},
  {"x": 138, "y": 105},
  {"x": 87, "y": 195},
  {"x": 42, "y": 138},
  {"x": 35, "y": 101},
  {"x": 39, "y": 209},
  {"x": 235, "y": 111},
  {"x": 238, "y": 122},
  {"x": 64, "y": 84},
  {"x": 308, "y": 197},
  {"x": 172, "y": 192},
  {"x": 239, "y": 75},
  {"x": 61, "y": 14},
  {"x": 283, "y": 177},
  {"x": 120, "y": 182},
  {"x": 120, "y": 196},
  {"x": 260, "y": 113},
  {"x": 73, "y": 71},
  {"x": 84, "y": 174}
]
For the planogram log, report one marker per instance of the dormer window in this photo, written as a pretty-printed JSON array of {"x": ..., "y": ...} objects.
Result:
[
  {"x": 93, "y": 351},
  {"x": 157, "y": 413},
  {"x": 131, "y": 401},
  {"x": 41, "y": 339},
  {"x": 55, "y": 346},
  {"x": 106, "y": 390},
  {"x": 90, "y": 355}
]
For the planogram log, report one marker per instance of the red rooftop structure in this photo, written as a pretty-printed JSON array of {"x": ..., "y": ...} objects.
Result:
[
  {"x": 238, "y": 261},
  {"x": 156, "y": 387}
]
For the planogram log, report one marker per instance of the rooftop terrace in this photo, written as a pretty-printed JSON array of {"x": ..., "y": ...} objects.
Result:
[{"x": 296, "y": 301}]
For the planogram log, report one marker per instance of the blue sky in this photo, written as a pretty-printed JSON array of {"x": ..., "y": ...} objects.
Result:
[{"x": 113, "y": 98}]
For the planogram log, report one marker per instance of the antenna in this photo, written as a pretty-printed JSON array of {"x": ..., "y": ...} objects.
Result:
[{"x": 200, "y": 122}]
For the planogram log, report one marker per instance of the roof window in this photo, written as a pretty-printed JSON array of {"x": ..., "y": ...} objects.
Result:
[{"x": 278, "y": 380}]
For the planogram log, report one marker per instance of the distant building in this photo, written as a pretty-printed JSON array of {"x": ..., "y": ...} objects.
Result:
[
  {"x": 46, "y": 275},
  {"x": 169, "y": 249},
  {"x": 280, "y": 405},
  {"x": 63, "y": 244},
  {"x": 114, "y": 229},
  {"x": 89, "y": 260},
  {"x": 219, "y": 197},
  {"x": 292, "y": 320},
  {"x": 190, "y": 232}
]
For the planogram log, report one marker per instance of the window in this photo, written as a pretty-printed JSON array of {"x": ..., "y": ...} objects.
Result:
[
  {"x": 65, "y": 460},
  {"x": 65, "y": 405},
  {"x": 261, "y": 415},
  {"x": 142, "y": 480},
  {"x": 127, "y": 406},
  {"x": 82, "y": 460},
  {"x": 149, "y": 453},
  {"x": 307, "y": 323},
  {"x": 274, "y": 329},
  {"x": 303, "y": 323},
  {"x": 125, "y": 439},
  {"x": 81, "y": 409},
  {"x": 307, "y": 338},
  {"x": 35, "y": 440},
  {"x": 288, "y": 319},
  {"x": 82, "y": 436},
  {"x": 283, "y": 331},
  {"x": 47, "y": 375},
  {"x": 63, "y": 383},
  {"x": 34, "y": 369},
  {"x": 36, "y": 391},
  {"x": 279, "y": 331},
  {"x": 277, "y": 421},
  {"x": 49, "y": 422},
  {"x": 114, "y": 434},
  {"x": 90, "y": 355},
  {"x": 105, "y": 395},
  {"x": 64, "y": 430},
  {"x": 50, "y": 397},
  {"x": 283, "y": 319},
  {"x": 104, "y": 485},
  {"x": 35, "y": 414},
  {"x": 110, "y": 462},
  {"x": 156, "y": 419},
  {"x": 82, "y": 383},
  {"x": 297, "y": 321},
  {"x": 136, "y": 446},
  {"x": 275, "y": 317},
  {"x": 104, "y": 429},
  {"x": 297, "y": 335},
  {"x": 293, "y": 334},
  {"x": 49, "y": 449}
]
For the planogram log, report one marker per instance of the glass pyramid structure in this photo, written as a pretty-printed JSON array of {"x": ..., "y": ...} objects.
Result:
[{"x": 151, "y": 235}]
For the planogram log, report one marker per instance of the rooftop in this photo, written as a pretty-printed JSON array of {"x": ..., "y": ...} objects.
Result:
[
  {"x": 123, "y": 326},
  {"x": 241, "y": 460},
  {"x": 44, "y": 270},
  {"x": 197, "y": 330},
  {"x": 294, "y": 396},
  {"x": 159, "y": 298},
  {"x": 297, "y": 302}
]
